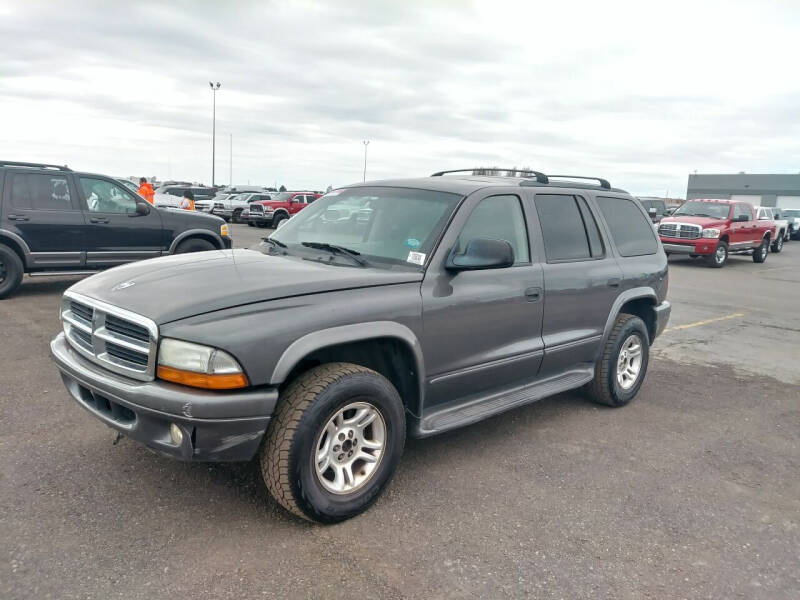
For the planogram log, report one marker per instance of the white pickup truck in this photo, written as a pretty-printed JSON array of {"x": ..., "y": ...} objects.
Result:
[{"x": 781, "y": 232}]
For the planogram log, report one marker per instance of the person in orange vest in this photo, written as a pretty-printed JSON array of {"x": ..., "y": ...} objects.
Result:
[
  {"x": 146, "y": 190},
  {"x": 187, "y": 202}
]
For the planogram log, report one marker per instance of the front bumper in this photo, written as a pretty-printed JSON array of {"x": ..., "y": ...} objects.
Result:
[
  {"x": 698, "y": 246},
  {"x": 228, "y": 242},
  {"x": 259, "y": 218},
  {"x": 216, "y": 426},
  {"x": 662, "y": 313}
]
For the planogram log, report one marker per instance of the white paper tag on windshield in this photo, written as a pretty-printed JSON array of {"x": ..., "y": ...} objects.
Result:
[{"x": 418, "y": 258}]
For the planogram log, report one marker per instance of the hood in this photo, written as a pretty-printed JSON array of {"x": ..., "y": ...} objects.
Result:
[
  {"x": 175, "y": 287},
  {"x": 702, "y": 221}
]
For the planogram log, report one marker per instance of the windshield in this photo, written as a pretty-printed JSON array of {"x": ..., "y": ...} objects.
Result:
[
  {"x": 280, "y": 197},
  {"x": 390, "y": 225},
  {"x": 717, "y": 210},
  {"x": 793, "y": 213}
]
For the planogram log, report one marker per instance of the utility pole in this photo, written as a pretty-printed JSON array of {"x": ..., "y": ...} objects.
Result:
[
  {"x": 214, "y": 89},
  {"x": 366, "y": 143}
]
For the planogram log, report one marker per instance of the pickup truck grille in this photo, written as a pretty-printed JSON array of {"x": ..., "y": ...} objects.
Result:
[
  {"x": 685, "y": 231},
  {"x": 256, "y": 208},
  {"x": 116, "y": 339}
]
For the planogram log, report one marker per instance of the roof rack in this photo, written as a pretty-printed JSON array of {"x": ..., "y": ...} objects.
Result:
[
  {"x": 11, "y": 163},
  {"x": 540, "y": 177},
  {"x": 603, "y": 182}
]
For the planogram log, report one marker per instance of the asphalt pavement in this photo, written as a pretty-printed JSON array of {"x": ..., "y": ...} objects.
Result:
[{"x": 692, "y": 491}]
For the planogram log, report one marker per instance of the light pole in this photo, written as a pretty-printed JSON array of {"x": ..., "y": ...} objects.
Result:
[
  {"x": 230, "y": 164},
  {"x": 366, "y": 143},
  {"x": 214, "y": 89}
]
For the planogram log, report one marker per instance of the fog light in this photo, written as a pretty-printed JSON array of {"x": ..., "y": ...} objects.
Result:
[{"x": 176, "y": 434}]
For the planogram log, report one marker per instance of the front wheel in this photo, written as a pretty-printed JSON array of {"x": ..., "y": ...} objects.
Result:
[
  {"x": 334, "y": 442},
  {"x": 237, "y": 216},
  {"x": 777, "y": 245},
  {"x": 760, "y": 253},
  {"x": 718, "y": 259},
  {"x": 11, "y": 269},
  {"x": 276, "y": 220},
  {"x": 194, "y": 245},
  {"x": 622, "y": 367}
]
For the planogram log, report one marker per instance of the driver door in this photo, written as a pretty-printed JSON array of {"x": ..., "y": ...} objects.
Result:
[{"x": 116, "y": 233}]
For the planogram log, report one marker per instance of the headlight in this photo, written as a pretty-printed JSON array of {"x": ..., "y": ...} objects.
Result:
[
  {"x": 711, "y": 232},
  {"x": 199, "y": 366},
  {"x": 268, "y": 209},
  {"x": 223, "y": 230}
]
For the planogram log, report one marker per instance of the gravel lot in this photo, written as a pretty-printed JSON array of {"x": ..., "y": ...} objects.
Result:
[{"x": 692, "y": 491}]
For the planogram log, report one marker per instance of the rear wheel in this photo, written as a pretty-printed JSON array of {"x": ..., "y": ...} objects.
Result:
[
  {"x": 334, "y": 442},
  {"x": 194, "y": 245},
  {"x": 760, "y": 253},
  {"x": 11, "y": 270},
  {"x": 777, "y": 245},
  {"x": 622, "y": 367},
  {"x": 718, "y": 259}
]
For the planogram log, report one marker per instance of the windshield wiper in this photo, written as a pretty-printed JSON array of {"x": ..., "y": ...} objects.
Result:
[
  {"x": 353, "y": 254},
  {"x": 274, "y": 242}
]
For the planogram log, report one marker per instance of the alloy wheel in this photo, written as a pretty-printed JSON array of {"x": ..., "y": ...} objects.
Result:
[
  {"x": 720, "y": 254},
  {"x": 629, "y": 362},
  {"x": 350, "y": 447}
]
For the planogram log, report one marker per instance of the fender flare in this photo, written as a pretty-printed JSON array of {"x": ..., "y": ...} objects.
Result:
[
  {"x": 281, "y": 211},
  {"x": 26, "y": 251},
  {"x": 626, "y": 296},
  {"x": 195, "y": 233},
  {"x": 333, "y": 336}
]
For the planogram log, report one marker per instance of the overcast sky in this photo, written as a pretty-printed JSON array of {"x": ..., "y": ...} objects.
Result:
[{"x": 641, "y": 93}]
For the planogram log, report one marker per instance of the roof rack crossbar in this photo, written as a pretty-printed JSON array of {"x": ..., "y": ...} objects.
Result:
[
  {"x": 540, "y": 177},
  {"x": 12, "y": 163},
  {"x": 603, "y": 182}
]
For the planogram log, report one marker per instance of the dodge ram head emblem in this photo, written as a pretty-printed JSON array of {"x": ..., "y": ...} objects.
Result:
[{"x": 123, "y": 285}]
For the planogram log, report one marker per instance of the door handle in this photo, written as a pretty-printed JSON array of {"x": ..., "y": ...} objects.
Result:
[
  {"x": 18, "y": 218},
  {"x": 614, "y": 283},
  {"x": 533, "y": 294},
  {"x": 98, "y": 220}
]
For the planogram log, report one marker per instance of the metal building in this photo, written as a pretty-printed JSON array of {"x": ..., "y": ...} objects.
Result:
[{"x": 758, "y": 190}]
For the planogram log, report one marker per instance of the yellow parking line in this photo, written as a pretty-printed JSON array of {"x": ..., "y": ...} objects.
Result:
[{"x": 706, "y": 322}]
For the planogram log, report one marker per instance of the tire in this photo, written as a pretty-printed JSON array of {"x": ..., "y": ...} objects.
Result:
[
  {"x": 298, "y": 430},
  {"x": 606, "y": 387},
  {"x": 718, "y": 259},
  {"x": 277, "y": 219},
  {"x": 11, "y": 270},
  {"x": 777, "y": 245},
  {"x": 194, "y": 245},
  {"x": 251, "y": 224},
  {"x": 236, "y": 217},
  {"x": 760, "y": 253}
]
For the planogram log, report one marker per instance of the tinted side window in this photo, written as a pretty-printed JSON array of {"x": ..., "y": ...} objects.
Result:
[
  {"x": 39, "y": 191},
  {"x": 592, "y": 231},
  {"x": 498, "y": 218},
  {"x": 632, "y": 232},
  {"x": 563, "y": 228}
]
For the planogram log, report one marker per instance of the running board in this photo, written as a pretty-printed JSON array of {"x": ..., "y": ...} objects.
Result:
[
  {"x": 63, "y": 273},
  {"x": 478, "y": 407}
]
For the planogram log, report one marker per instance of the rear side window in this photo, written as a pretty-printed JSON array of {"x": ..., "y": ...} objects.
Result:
[
  {"x": 40, "y": 191},
  {"x": 632, "y": 231},
  {"x": 569, "y": 230}
]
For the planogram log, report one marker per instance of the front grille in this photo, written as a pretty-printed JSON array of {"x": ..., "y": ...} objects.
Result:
[
  {"x": 82, "y": 311},
  {"x": 218, "y": 205},
  {"x": 126, "y": 328},
  {"x": 256, "y": 208},
  {"x": 114, "y": 338},
  {"x": 684, "y": 231},
  {"x": 108, "y": 408}
]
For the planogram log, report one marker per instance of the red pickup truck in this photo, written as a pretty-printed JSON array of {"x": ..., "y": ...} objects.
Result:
[
  {"x": 714, "y": 228},
  {"x": 281, "y": 206}
]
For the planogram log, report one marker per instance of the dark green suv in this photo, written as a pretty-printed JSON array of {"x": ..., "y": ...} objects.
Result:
[{"x": 55, "y": 221}]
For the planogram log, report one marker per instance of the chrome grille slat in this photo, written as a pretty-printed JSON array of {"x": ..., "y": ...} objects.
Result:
[
  {"x": 686, "y": 231},
  {"x": 114, "y": 338}
]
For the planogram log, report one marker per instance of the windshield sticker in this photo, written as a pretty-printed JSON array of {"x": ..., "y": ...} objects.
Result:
[
  {"x": 412, "y": 243},
  {"x": 418, "y": 258}
]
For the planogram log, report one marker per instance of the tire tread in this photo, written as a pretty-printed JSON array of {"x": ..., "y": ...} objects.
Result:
[{"x": 599, "y": 388}]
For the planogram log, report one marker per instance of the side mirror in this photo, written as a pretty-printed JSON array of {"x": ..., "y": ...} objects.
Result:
[
  {"x": 142, "y": 209},
  {"x": 741, "y": 218},
  {"x": 482, "y": 253}
]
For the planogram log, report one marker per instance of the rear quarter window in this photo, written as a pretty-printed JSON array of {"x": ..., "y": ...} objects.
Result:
[{"x": 632, "y": 232}]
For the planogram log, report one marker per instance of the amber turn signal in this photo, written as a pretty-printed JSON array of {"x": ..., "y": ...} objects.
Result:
[{"x": 221, "y": 381}]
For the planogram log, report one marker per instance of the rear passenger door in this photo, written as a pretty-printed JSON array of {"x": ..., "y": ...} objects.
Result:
[
  {"x": 43, "y": 209},
  {"x": 581, "y": 281}
]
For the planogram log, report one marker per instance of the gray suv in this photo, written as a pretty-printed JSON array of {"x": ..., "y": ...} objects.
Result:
[{"x": 447, "y": 300}]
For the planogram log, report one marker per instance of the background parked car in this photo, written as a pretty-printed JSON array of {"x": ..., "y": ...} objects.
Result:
[
  {"x": 656, "y": 209},
  {"x": 780, "y": 226},
  {"x": 128, "y": 184},
  {"x": 280, "y": 207},
  {"x": 169, "y": 196},
  {"x": 792, "y": 216}
]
